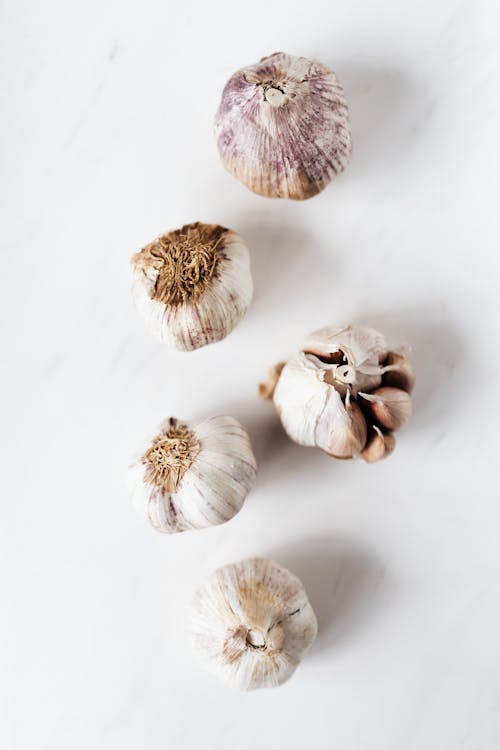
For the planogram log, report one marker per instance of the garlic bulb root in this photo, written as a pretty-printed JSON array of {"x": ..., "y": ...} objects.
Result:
[
  {"x": 193, "y": 475},
  {"x": 339, "y": 393},
  {"x": 251, "y": 623},
  {"x": 193, "y": 285}
]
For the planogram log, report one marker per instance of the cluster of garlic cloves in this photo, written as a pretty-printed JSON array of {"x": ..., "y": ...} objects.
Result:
[
  {"x": 282, "y": 127},
  {"x": 193, "y": 285},
  {"x": 193, "y": 475},
  {"x": 251, "y": 623},
  {"x": 344, "y": 392}
]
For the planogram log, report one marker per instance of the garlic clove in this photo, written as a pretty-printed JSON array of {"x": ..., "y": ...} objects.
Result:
[
  {"x": 251, "y": 623},
  {"x": 313, "y": 413},
  {"x": 302, "y": 399},
  {"x": 193, "y": 285},
  {"x": 398, "y": 371},
  {"x": 350, "y": 439},
  {"x": 378, "y": 445},
  {"x": 191, "y": 476},
  {"x": 390, "y": 407},
  {"x": 282, "y": 127}
]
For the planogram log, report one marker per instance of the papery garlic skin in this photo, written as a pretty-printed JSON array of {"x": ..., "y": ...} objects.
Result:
[
  {"x": 193, "y": 475},
  {"x": 333, "y": 393},
  {"x": 282, "y": 127},
  {"x": 251, "y": 623},
  {"x": 193, "y": 285}
]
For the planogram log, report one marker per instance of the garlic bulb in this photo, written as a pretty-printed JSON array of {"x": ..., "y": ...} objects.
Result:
[
  {"x": 252, "y": 623},
  {"x": 282, "y": 127},
  {"x": 193, "y": 285},
  {"x": 190, "y": 476},
  {"x": 344, "y": 392}
]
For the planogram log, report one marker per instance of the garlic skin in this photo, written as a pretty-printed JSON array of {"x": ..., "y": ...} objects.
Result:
[
  {"x": 251, "y": 623},
  {"x": 193, "y": 285},
  {"x": 333, "y": 393},
  {"x": 193, "y": 475},
  {"x": 282, "y": 127}
]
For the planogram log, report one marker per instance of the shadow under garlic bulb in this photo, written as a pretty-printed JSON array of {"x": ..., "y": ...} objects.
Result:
[
  {"x": 193, "y": 285},
  {"x": 344, "y": 392},
  {"x": 193, "y": 475},
  {"x": 251, "y": 623},
  {"x": 282, "y": 127}
]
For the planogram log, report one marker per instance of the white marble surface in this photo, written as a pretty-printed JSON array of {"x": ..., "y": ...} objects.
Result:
[{"x": 106, "y": 123}]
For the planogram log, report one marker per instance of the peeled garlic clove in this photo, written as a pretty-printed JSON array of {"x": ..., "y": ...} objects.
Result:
[
  {"x": 190, "y": 476},
  {"x": 193, "y": 285},
  {"x": 390, "y": 407},
  {"x": 251, "y": 623},
  {"x": 282, "y": 127},
  {"x": 378, "y": 445},
  {"x": 312, "y": 410},
  {"x": 398, "y": 371}
]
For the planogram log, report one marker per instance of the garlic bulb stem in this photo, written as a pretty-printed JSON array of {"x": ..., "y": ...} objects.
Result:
[
  {"x": 256, "y": 638},
  {"x": 274, "y": 96}
]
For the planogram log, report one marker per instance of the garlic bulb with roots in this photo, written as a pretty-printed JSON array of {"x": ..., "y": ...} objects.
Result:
[
  {"x": 251, "y": 623},
  {"x": 344, "y": 392},
  {"x": 193, "y": 285},
  {"x": 193, "y": 475},
  {"x": 282, "y": 127}
]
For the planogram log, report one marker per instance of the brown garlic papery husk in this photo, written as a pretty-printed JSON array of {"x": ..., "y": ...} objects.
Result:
[
  {"x": 193, "y": 285},
  {"x": 282, "y": 127},
  {"x": 334, "y": 395},
  {"x": 193, "y": 475}
]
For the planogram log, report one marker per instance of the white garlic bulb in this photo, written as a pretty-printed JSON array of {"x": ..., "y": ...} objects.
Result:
[
  {"x": 193, "y": 285},
  {"x": 252, "y": 623},
  {"x": 282, "y": 127},
  {"x": 190, "y": 476},
  {"x": 344, "y": 392}
]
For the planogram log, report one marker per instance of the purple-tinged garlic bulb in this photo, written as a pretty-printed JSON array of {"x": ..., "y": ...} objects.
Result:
[
  {"x": 193, "y": 285},
  {"x": 282, "y": 127},
  {"x": 251, "y": 623},
  {"x": 344, "y": 392},
  {"x": 193, "y": 475}
]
